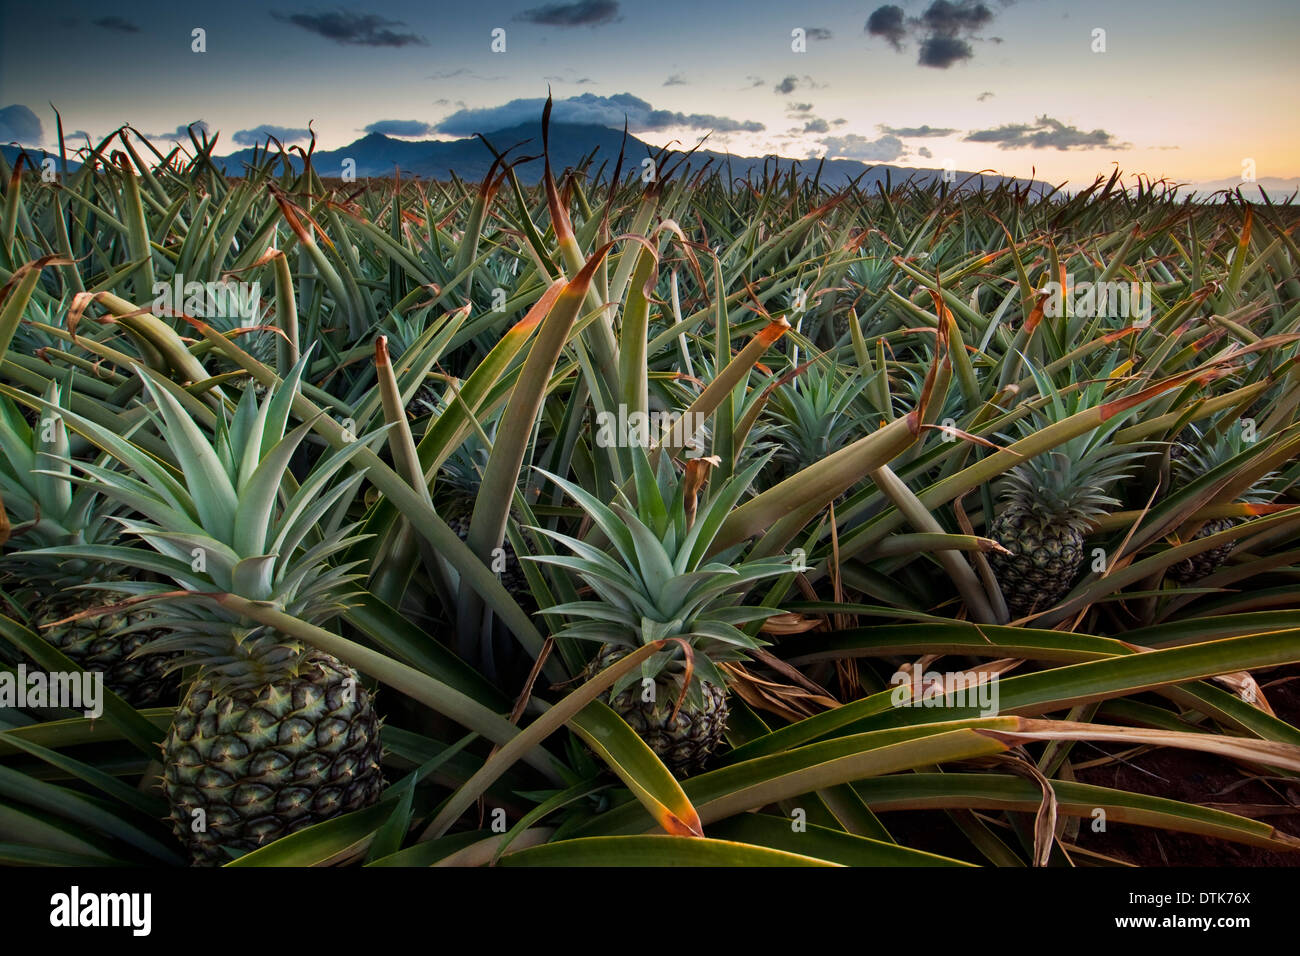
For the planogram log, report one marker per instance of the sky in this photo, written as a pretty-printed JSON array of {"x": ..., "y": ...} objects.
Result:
[{"x": 1198, "y": 91}]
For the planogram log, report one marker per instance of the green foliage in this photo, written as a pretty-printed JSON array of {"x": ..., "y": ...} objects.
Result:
[{"x": 864, "y": 374}]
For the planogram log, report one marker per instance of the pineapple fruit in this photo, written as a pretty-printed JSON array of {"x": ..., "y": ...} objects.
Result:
[
  {"x": 273, "y": 735},
  {"x": 1049, "y": 504},
  {"x": 658, "y": 583},
  {"x": 1190, "y": 459},
  {"x": 45, "y": 511}
]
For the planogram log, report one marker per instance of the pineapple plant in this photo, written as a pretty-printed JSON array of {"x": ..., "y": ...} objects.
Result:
[
  {"x": 1049, "y": 503},
  {"x": 460, "y": 478},
  {"x": 46, "y": 511},
  {"x": 272, "y": 735},
  {"x": 403, "y": 333},
  {"x": 1191, "y": 458},
  {"x": 813, "y": 416},
  {"x": 659, "y": 583}
]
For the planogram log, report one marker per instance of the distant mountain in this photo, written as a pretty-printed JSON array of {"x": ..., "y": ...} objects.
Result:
[
  {"x": 379, "y": 156},
  {"x": 34, "y": 156},
  {"x": 376, "y": 155},
  {"x": 1276, "y": 188}
]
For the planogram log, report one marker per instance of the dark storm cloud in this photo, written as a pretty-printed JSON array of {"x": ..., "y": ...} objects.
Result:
[
  {"x": 1045, "y": 133},
  {"x": 353, "y": 29},
  {"x": 120, "y": 24},
  {"x": 943, "y": 31},
  {"x": 258, "y": 134},
  {"x": 584, "y": 13},
  {"x": 400, "y": 128},
  {"x": 608, "y": 111}
]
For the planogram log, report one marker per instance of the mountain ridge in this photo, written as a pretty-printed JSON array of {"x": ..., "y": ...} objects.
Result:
[{"x": 378, "y": 156}]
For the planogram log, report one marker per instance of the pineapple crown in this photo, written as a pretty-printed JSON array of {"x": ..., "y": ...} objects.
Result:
[
  {"x": 44, "y": 508},
  {"x": 1198, "y": 452},
  {"x": 812, "y": 416},
  {"x": 232, "y": 520},
  {"x": 33, "y": 476},
  {"x": 657, "y": 582},
  {"x": 907, "y": 393},
  {"x": 1070, "y": 483},
  {"x": 462, "y": 472}
]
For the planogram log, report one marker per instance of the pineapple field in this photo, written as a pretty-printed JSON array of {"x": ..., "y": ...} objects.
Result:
[{"x": 697, "y": 519}]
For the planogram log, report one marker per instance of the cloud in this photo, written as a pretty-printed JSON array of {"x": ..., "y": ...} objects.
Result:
[
  {"x": 942, "y": 52},
  {"x": 986, "y": 95},
  {"x": 675, "y": 80},
  {"x": 887, "y": 22},
  {"x": 20, "y": 124},
  {"x": 799, "y": 107},
  {"x": 787, "y": 85},
  {"x": 925, "y": 153},
  {"x": 258, "y": 134},
  {"x": 915, "y": 132},
  {"x": 402, "y": 128},
  {"x": 1045, "y": 133},
  {"x": 120, "y": 24},
  {"x": 817, "y": 125},
  {"x": 584, "y": 13},
  {"x": 949, "y": 19},
  {"x": 589, "y": 108},
  {"x": 353, "y": 29},
  {"x": 818, "y": 33},
  {"x": 755, "y": 81},
  {"x": 182, "y": 132},
  {"x": 943, "y": 31},
  {"x": 852, "y": 146}
]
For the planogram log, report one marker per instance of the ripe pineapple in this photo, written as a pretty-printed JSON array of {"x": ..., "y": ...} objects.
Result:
[
  {"x": 45, "y": 511},
  {"x": 655, "y": 584},
  {"x": 1050, "y": 502},
  {"x": 1190, "y": 459},
  {"x": 273, "y": 735}
]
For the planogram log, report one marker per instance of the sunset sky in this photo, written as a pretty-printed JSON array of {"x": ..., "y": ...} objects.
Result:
[{"x": 1188, "y": 90}]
